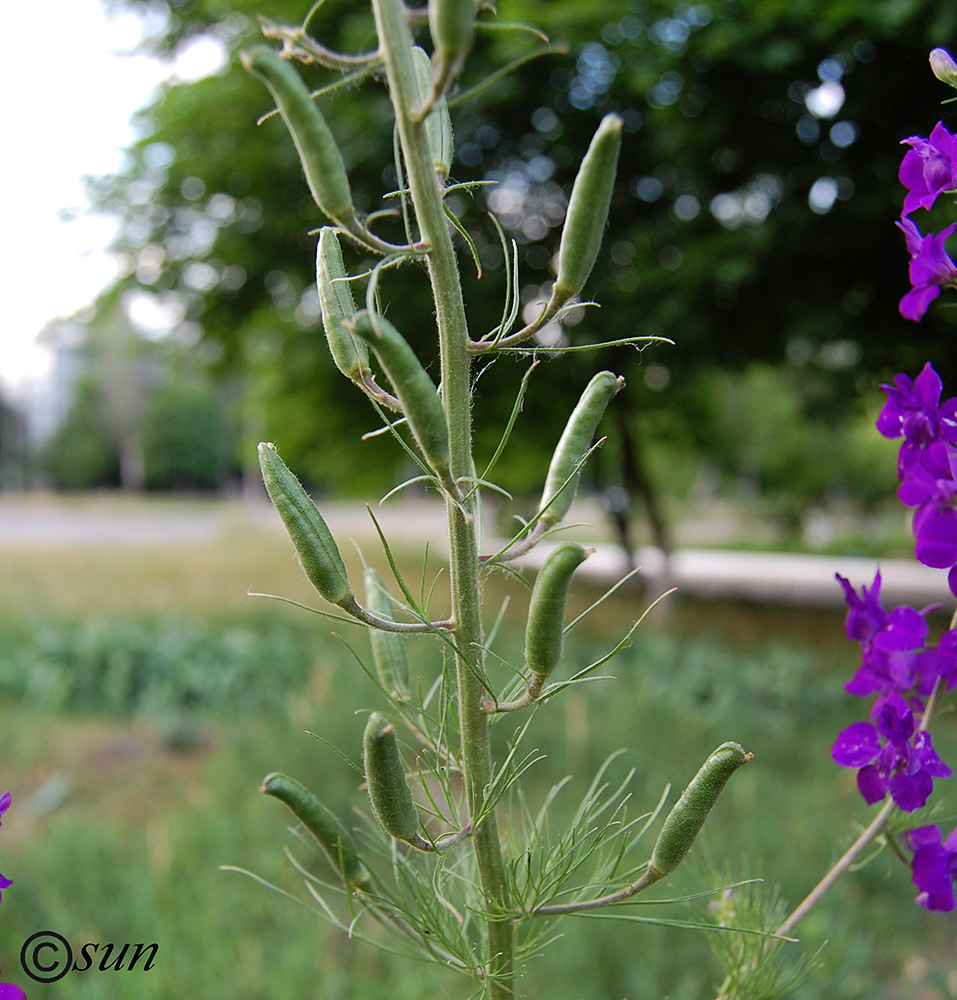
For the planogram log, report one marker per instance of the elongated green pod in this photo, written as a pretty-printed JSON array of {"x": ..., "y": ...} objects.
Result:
[
  {"x": 318, "y": 152},
  {"x": 452, "y": 27},
  {"x": 546, "y": 610},
  {"x": 587, "y": 211},
  {"x": 334, "y": 839},
  {"x": 574, "y": 444},
  {"x": 416, "y": 391},
  {"x": 438, "y": 124},
  {"x": 317, "y": 550},
  {"x": 685, "y": 820},
  {"x": 350, "y": 355},
  {"x": 388, "y": 648},
  {"x": 389, "y": 790}
]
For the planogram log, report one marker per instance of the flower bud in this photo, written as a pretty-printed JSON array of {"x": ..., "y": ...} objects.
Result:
[
  {"x": 685, "y": 820},
  {"x": 944, "y": 68},
  {"x": 574, "y": 444},
  {"x": 438, "y": 124},
  {"x": 546, "y": 609},
  {"x": 330, "y": 834},
  {"x": 350, "y": 355},
  {"x": 318, "y": 152},
  {"x": 416, "y": 391},
  {"x": 388, "y": 648},
  {"x": 389, "y": 790},
  {"x": 317, "y": 550},
  {"x": 587, "y": 211}
]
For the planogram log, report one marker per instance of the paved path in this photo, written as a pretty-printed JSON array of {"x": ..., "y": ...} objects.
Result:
[{"x": 757, "y": 576}]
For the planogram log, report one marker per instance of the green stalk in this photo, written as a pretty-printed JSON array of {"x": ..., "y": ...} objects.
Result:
[{"x": 395, "y": 41}]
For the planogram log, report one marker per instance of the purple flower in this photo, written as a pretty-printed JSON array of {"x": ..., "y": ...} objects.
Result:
[
  {"x": 10, "y": 991},
  {"x": 4, "y": 884},
  {"x": 933, "y": 867},
  {"x": 892, "y": 645},
  {"x": 891, "y": 756},
  {"x": 928, "y": 168},
  {"x": 913, "y": 410},
  {"x": 930, "y": 268},
  {"x": 4, "y": 803}
]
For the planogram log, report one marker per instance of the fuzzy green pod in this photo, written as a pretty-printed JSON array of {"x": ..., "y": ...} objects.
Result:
[
  {"x": 318, "y": 152},
  {"x": 389, "y": 790},
  {"x": 588, "y": 210},
  {"x": 574, "y": 444},
  {"x": 685, "y": 820},
  {"x": 546, "y": 609},
  {"x": 388, "y": 648},
  {"x": 416, "y": 391},
  {"x": 350, "y": 355},
  {"x": 452, "y": 27},
  {"x": 330, "y": 834},
  {"x": 317, "y": 550},
  {"x": 438, "y": 124}
]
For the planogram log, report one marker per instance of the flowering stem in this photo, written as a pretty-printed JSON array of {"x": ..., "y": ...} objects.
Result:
[{"x": 857, "y": 848}]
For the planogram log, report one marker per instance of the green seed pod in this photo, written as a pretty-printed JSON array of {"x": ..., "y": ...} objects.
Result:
[
  {"x": 546, "y": 610},
  {"x": 335, "y": 299},
  {"x": 389, "y": 789},
  {"x": 416, "y": 391},
  {"x": 331, "y": 835},
  {"x": 388, "y": 648},
  {"x": 691, "y": 810},
  {"x": 438, "y": 125},
  {"x": 317, "y": 550},
  {"x": 318, "y": 152},
  {"x": 587, "y": 211},
  {"x": 574, "y": 444},
  {"x": 452, "y": 26}
]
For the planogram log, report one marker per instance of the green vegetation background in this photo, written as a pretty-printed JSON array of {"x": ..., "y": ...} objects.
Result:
[{"x": 134, "y": 739}]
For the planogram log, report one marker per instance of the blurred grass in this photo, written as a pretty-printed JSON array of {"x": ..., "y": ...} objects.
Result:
[{"x": 117, "y": 833}]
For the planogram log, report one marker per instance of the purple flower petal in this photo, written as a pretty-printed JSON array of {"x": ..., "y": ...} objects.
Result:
[
  {"x": 872, "y": 784},
  {"x": 911, "y": 791},
  {"x": 856, "y": 746}
]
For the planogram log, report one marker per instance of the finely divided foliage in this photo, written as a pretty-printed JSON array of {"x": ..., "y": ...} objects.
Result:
[{"x": 436, "y": 870}]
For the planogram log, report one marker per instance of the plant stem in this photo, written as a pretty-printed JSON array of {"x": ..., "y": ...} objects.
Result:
[
  {"x": 395, "y": 42},
  {"x": 873, "y": 830}
]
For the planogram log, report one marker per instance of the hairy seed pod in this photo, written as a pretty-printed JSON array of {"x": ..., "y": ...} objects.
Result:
[
  {"x": 317, "y": 550},
  {"x": 574, "y": 444},
  {"x": 438, "y": 124},
  {"x": 416, "y": 391},
  {"x": 318, "y": 152},
  {"x": 587, "y": 210},
  {"x": 350, "y": 355},
  {"x": 691, "y": 810},
  {"x": 388, "y": 648},
  {"x": 334, "y": 839},
  {"x": 546, "y": 609},
  {"x": 452, "y": 26},
  {"x": 389, "y": 790}
]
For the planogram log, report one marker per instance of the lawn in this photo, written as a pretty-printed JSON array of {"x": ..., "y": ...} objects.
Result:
[{"x": 143, "y": 696}]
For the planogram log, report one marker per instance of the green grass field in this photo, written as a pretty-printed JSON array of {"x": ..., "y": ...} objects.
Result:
[{"x": 143, "y": 696}]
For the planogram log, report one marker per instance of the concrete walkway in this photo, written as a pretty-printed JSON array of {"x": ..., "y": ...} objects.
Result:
[{"x": 708, "y": 573}]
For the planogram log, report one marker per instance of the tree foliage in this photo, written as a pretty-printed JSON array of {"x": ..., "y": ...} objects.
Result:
[{"x": 752, "y": 219}]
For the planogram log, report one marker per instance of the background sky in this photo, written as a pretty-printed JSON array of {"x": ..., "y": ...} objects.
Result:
[{"x": 69, "y": 94}]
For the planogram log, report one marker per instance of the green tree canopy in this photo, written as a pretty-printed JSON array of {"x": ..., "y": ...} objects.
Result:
[{"x": 752, "y": 218}]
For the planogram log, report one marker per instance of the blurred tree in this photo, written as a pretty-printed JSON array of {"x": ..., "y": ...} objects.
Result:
[
  {"x": 752, "y": 221},
  {"x": 83, "y": 454},
  {"x": 187, "y": 435}
]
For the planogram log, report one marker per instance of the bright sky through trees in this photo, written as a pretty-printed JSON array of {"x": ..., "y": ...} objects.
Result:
[{"x": 70, "y": 94}]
